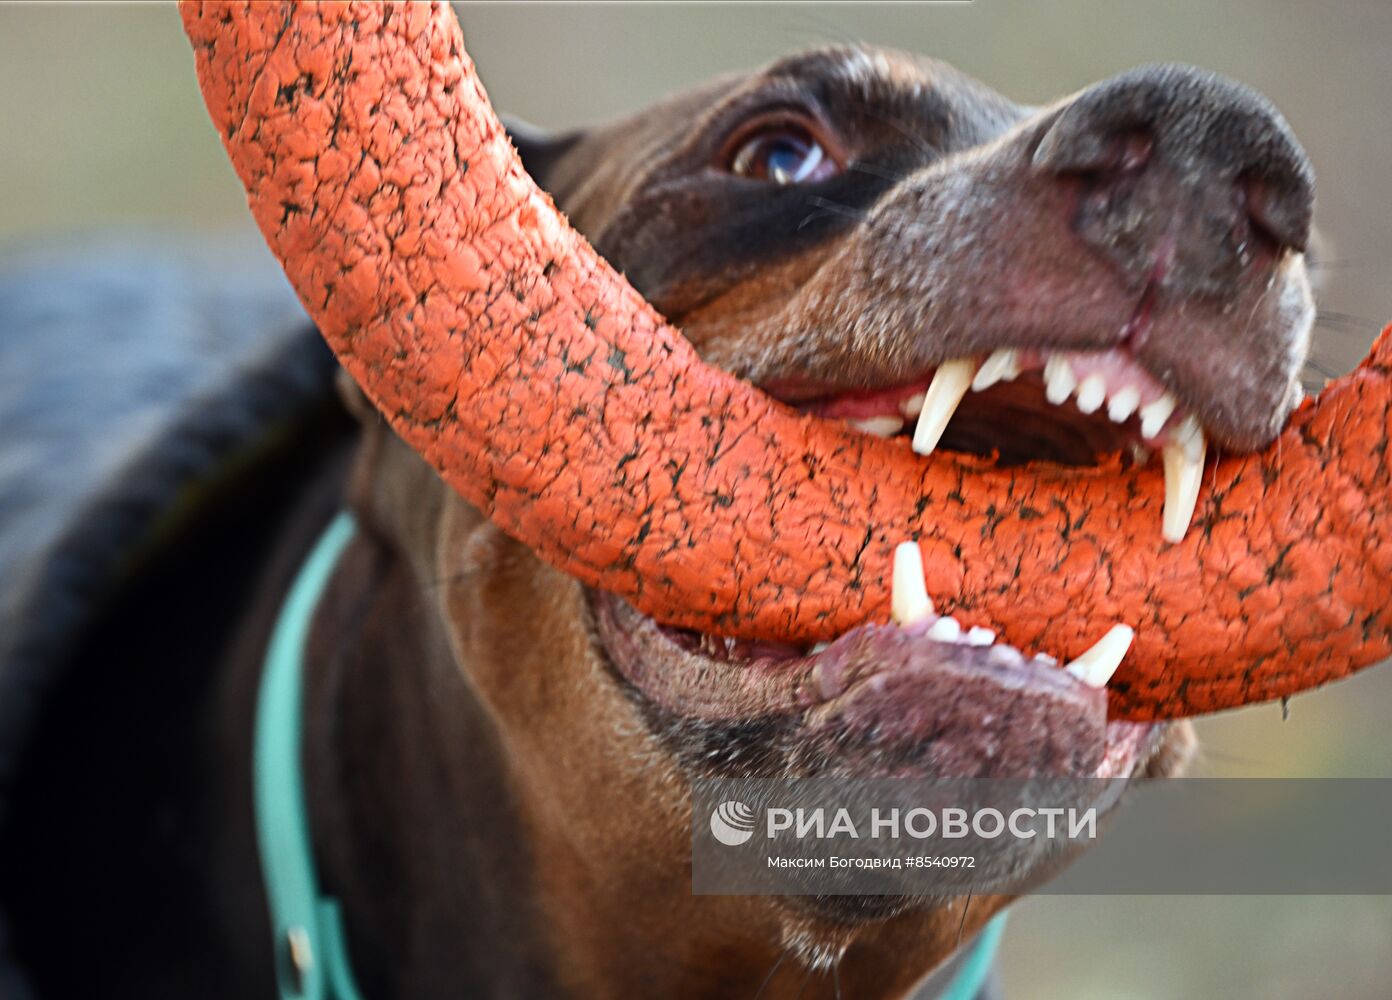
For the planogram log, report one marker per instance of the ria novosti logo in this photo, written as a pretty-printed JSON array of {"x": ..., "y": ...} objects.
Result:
[{"x": 732, "y": 823}]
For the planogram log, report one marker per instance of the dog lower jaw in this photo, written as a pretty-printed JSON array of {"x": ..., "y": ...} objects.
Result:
[{"x": 880, "y": 700}]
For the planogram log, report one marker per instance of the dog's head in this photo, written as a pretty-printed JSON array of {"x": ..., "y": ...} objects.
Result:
[{"x": 1124, "y": 271}]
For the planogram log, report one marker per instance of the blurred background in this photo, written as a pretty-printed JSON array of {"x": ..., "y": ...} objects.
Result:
[{"x": 101, "y": 127}]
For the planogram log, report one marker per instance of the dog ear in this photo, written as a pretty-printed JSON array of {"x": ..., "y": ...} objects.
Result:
[{"x": 540, "y": 150}]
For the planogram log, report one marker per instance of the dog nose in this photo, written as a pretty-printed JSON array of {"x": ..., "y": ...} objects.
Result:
[{"x": 1185, "y": 176}]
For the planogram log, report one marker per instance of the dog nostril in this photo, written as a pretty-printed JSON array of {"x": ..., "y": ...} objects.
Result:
[
  {"x": 1095, "y": 152},
  {"x": 1280, "y": 221},
  {"x": 1106, "y": 166}
]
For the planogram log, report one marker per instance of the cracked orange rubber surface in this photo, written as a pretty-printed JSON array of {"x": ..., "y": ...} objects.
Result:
[{"x": 548, "y": 393}]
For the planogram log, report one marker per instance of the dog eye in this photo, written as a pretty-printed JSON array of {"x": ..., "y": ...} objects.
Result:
[{"x": 785, "y": 154}]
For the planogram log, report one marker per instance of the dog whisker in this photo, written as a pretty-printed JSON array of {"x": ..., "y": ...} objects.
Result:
[
  {"x": 756, "y": 212},
  {"x": 962, "y": 924},
  {"x": 820, "y": 30},
  {"x": 1230, "y": 758},
  {"x": 814, "y": 217},
  {"x": 923, "y": 145},
  {"x": 827, "y": 207},
  {"x": 893, "y": 176},
  {"x": 768, "y": 978},
  {"x": 836, "y": 206},
  {"x": 1348, "y": 262},
  {"x": 1315, "y": 375},
  {"x": 1343, "y": 321},
  {"x": 1321, "y": 368}
]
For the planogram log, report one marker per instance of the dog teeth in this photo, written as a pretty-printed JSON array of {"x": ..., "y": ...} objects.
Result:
[
  {"x": 1092, "y": 391},
  {"x": 909, "y": 601},
  {"x": 1184, "y": 459},
  {"x": 1189, "y": 433},
  {"x": 1123, "y": 404},
  {"x": 945, "y": 629},
  {"x": 1002, "y": 366},
  {"x": 1154, "y": 415},
  {"x": 1184, "y": 447},
  {"x": 1059, "y": 380},
  {"x": 883, "y": 426},
  {"x": 950, "y": 384},
  {"x": 1096, "y": 666},
  {"x": 978, "y": 636}
]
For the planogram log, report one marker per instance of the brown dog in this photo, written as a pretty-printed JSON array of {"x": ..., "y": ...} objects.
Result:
[
  {"x": 497, "y": 758},
  {"x": 836, "y": 224}
]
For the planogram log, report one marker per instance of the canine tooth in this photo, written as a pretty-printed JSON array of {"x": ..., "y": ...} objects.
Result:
[
  {"x": 1059, "y": 380},
  {"x": 979, "y": 636},
  {"x": 820, "y": 647},
  {"x": 1189, "y": 432},
  {"x": 950, "y": 384},
  {"x": 1123, "y": 404},
  {"x": 1154, "y": 415},
  {"x": 912, "y": 406},
  {"x": 945, "y": 629},
  {"x": 1184, "y": 460},
  {"x": 908, "y": 601},
  {"x": 1092, "y": 392},
  {"x": 883, "y": 426},
  {"x": 1002, "y": 366},
  {"x": 1096, "y": 666}
]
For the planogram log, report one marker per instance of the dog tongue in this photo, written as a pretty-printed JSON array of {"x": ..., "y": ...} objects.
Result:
[{"x": 547, "y": 392}]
